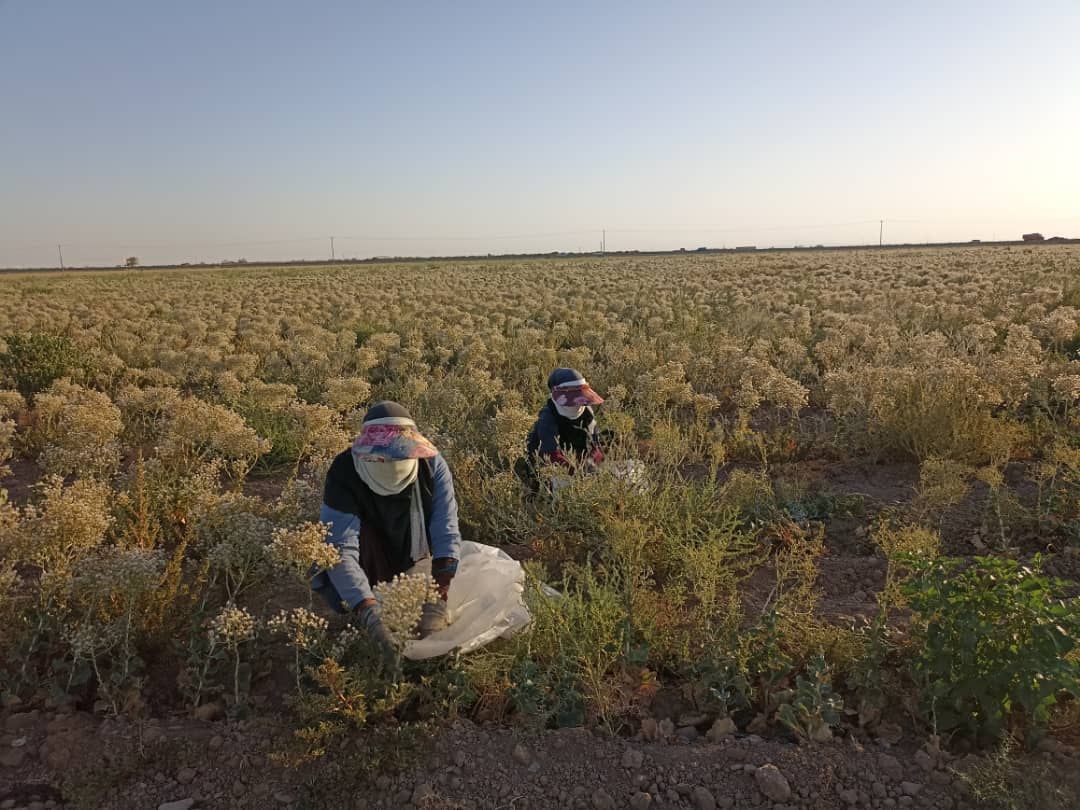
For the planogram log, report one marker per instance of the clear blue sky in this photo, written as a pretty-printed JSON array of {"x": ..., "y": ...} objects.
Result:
[{"x": 209, "y": 130}]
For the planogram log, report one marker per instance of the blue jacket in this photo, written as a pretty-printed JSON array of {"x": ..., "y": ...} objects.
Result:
[
  {"x": 347, "y": 581},
  {"x": 555, "y": 438}
]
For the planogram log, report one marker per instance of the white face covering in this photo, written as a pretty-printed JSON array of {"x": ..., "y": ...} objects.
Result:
[
  {"x": 569, "y": 411},
  {"x": 387, "y": 477},
  {"x": 390, "y": 478}
]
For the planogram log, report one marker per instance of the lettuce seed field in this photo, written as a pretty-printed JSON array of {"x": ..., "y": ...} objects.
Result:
[{"x": 854, "y": 559}]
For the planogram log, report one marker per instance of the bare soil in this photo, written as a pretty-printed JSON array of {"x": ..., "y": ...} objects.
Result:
[
  {"x": 20, "y": 482},
  {"x": 63, "y": 758}
]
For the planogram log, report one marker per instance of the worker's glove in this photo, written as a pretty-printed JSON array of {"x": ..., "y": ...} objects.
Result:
[
  {"x": 370, "y": 619},
  {"x": 443, "y": 570},
  {"x": 434, "y": 616}
]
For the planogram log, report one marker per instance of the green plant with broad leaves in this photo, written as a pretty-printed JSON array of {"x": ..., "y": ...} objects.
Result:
[
  {"x": 813, "y": 707},
  {"x": 768, "y": 665},
  {"x": 995, "y": 639}
]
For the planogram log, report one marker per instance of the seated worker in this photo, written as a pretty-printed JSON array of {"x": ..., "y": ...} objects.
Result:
[
  {"x": 390, "y": 502},
  {"x": 565, "y": 431}
]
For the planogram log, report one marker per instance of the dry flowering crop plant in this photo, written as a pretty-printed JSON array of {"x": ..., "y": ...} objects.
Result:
[
  {"x": 304, "y": 631},
  {"x": 232, "y": 628},
  {"x": 300, "y": 627},
  {"x": 164, "y": 439},
  {"x": 302, "y": 547},
  {"x": 401, "y": 601}
]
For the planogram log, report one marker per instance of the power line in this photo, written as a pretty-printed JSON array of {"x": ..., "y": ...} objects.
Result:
[
  {"x": 469, "y": 243},
  {"x": 642, "y": 228},
  {"x": 703, "y": 229},
  {"x": 166, "y": 243}
]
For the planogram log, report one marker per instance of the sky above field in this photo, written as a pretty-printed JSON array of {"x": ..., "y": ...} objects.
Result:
[{"x": 217, "y": 130}]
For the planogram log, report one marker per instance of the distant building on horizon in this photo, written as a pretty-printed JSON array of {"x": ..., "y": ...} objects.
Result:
[{"x": 1033, "y": 237}]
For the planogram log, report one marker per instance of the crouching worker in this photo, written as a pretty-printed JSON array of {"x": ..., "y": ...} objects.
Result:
[
  {"x": 390, "y": 502},
  {"x": 565, "y": 432}
]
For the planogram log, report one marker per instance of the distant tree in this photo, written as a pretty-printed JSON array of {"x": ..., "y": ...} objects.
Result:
[{"x": 132, "y": 261}]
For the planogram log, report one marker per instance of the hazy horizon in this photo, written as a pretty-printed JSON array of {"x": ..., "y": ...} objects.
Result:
[{"x": 259, "y": 130}]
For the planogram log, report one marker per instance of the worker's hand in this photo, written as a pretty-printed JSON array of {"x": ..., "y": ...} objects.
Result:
[
  {"x": 443, "y": 570},
  {"x": 371, "y": 620},
  {"x": 434, "y": 617}
]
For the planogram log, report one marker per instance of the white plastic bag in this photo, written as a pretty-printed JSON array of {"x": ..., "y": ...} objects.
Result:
[
  {"x": 485, "y": 602},
  {"x": 631, "y": 472}
]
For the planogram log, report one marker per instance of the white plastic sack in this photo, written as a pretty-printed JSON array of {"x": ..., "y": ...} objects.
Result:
[
  {"x": 485, "y": 602},
  {"x": 632, "y": 474}
]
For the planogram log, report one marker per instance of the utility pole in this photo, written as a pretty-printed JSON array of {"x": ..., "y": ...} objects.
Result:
[
  {"x": 603, "y": 241},
  {"x": 331, "y": 248},
  {"x": 58, "y": 250},
  {"x": 881, "y": 233}
]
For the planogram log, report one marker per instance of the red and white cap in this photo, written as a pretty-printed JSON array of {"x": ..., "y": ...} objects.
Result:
[{"x": 570, "y": 389}]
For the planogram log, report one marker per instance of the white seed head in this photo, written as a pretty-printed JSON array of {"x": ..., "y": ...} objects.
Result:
[
  {"x": 232, "y": 626},
  {"x": 401, "y": 600}
]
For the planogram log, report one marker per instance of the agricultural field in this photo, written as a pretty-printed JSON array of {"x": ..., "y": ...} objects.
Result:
[{"x": 850, "y": 577}]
